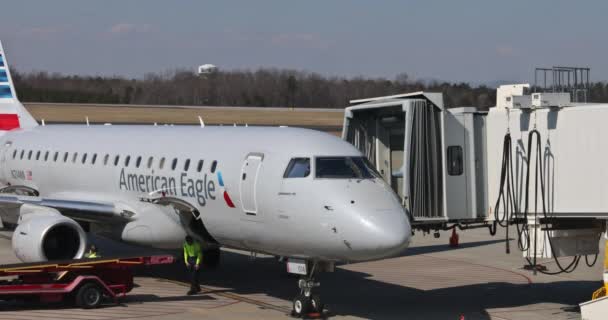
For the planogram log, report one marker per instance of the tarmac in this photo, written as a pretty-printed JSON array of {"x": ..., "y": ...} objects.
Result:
[{"x": 430, "y": 280}]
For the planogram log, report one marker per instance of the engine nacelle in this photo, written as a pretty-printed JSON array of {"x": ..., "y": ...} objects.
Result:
[{"x": 44, "y": 234}]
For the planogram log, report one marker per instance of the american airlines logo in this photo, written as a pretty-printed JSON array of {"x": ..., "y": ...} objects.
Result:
[{"x": 184, "y": 186}]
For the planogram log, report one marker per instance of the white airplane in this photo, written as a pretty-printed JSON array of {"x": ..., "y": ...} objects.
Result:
[{"x": 302, "y": 195}]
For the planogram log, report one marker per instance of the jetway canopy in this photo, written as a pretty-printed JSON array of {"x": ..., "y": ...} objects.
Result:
[
  {"x": 435, "y": 98},
  {"x": 422, "y": 150},
  {"x": 400, "y": 134}
]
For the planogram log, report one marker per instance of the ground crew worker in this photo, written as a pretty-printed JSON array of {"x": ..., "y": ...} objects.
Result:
[
  {"x": 192, "y": 257},
  {"x": 92, "y": 253}
]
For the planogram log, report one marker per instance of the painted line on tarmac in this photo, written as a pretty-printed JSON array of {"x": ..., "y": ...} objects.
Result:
[
  {"x": 528, "y": 279},
  {"x": 233, "y": 296}
]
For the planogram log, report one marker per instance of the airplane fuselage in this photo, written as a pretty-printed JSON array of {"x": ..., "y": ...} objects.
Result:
[{"x": 234, "y": 178}]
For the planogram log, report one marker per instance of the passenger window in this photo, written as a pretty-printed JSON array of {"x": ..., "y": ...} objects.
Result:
[
  {"x": 150, "y": 161},
  {"x": 297, "y": 168},
  {"x": 127, "y": 159},
  {"x": 65, "y": 157},
  {"x": 161, "y": 164},
  {"x": 22, "y": 153},
  {"x": 46, "y": 156},
  {"x": 94, "y": 158},
  {"x": 213, "y": 166},
  {"x": 116, "y": 159},
  {"x": 186, "y": 164},
  {"x": 138, "y": 162},
  {"x": 174, "y": 164},
  {"x": 38, "y": 155},
  {"x": 74, "y": 157},
  {"x": 106, "y": 158},
  {"x": 56, "y": 156},
  {"x": 29, "y": 155},
  {"x": 84, "y": 158},
  {"x": 455, "y": 167},
  {"x": 199, "y": 168},
  {"x": 14, "y": 153}
]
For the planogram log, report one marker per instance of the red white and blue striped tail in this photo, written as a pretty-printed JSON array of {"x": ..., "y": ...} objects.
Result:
[{"x": 13, "y": 114}]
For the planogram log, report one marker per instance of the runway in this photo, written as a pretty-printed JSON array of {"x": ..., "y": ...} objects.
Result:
[{"x": 429, "y": 281}]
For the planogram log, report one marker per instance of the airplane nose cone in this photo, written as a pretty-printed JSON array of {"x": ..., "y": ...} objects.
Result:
[
  {"x": 383, "y": 234},
  {"x": 394, "y": 234}
]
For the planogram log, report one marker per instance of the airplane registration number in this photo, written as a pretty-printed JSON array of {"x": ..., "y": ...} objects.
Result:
[{"x": 297, "y": 266}]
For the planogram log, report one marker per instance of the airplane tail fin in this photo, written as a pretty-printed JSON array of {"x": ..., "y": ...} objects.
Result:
[{"x": 13, "y": 114}]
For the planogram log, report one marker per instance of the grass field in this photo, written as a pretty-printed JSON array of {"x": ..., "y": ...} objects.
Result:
[{"x": 322, "y": 119}]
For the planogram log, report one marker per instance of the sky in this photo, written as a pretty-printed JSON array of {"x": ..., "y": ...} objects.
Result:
[{"x": 475, "y": 41}]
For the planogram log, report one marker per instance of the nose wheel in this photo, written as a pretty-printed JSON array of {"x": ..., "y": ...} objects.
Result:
[{"x": 308, "y": 304}]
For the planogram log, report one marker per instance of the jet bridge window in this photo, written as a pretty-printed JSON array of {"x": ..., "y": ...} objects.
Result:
[
  {"x": 344, "y": 168},
  {"x": 455, "y": 167},
  {"x": 297, "y": 168}
]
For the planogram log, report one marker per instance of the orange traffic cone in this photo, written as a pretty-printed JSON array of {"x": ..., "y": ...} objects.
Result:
[{"x": 454, "y": 239}]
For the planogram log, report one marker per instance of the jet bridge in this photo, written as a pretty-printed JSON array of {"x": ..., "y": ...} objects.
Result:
[
  {"x": 433, "y": 158},
  {"x": 535, "y": 162}
]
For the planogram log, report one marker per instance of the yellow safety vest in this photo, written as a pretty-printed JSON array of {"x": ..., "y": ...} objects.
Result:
[{"x": 192, "y": 250}]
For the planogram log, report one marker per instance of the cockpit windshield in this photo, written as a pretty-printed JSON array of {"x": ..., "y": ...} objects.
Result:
[{"x": 344, "y": 168}]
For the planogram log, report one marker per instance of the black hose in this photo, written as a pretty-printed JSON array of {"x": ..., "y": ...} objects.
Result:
[
  {"x": 592, "y": 263},
  {"x": 506, "y": 197},
  {"x": 506, "y": 192},
  {"x": 539, "y": 177}
]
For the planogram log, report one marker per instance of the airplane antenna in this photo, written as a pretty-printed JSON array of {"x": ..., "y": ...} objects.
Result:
[
  {"x": 200, "y": 119},
  {"x": 87, "y": 118}
]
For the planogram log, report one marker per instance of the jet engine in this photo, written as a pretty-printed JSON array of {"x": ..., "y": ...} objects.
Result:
[{"x": 44, "y": 234}]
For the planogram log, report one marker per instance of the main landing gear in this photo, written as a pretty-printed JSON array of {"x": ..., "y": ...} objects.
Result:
[{"x": 308, "y": 303}]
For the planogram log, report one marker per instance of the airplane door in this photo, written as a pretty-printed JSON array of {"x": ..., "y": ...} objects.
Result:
[{"x": 248, "y": 185}]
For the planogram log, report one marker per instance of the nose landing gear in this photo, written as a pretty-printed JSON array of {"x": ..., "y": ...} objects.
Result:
[{"x": 308, "y": 304}]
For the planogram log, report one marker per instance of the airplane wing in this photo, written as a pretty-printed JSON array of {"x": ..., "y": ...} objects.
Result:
[{"x": 89, "y": 211}]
